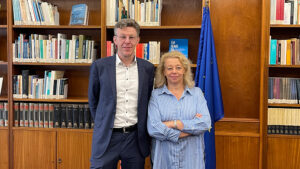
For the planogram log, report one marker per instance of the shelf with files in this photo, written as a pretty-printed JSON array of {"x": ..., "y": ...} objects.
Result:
[
  {"x": 77, "y": 76},
  {"x": 64, "y": 8},
  {"x": 164, "y": 35},
  {"x": 68, "y": 100},
  {"x": 52, "y": 64},
  {"x": 54, "y": 129},
  {"x": 81, "y": 27},
  {"x": 282, "y": 105}
]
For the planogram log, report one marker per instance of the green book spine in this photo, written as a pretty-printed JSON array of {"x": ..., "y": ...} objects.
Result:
[{"x": 67, "y": 49}]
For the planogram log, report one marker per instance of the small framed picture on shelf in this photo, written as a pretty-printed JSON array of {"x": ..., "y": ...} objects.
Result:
[{"x": 79, "y": 15}]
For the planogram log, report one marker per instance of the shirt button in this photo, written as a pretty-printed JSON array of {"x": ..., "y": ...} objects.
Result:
[
  {"x": 127, "y": 79},
  {"x": 126, "y": 100},
  {"x": 126, "y": 90}
]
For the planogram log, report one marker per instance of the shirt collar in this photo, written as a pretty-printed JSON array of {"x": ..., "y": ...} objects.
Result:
[
  {"x": 165, "y": 90},
  {"x": 119, "y": 62}
]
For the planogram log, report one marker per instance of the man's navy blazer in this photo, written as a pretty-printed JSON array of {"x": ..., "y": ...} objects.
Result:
[{"x": 102, "y": 101}]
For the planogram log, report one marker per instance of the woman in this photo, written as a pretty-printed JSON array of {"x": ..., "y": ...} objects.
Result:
[{"x": 177, "y": 116}]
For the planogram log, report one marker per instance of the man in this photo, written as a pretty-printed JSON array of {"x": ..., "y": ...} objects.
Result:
[{"x": 119, "y": 90}]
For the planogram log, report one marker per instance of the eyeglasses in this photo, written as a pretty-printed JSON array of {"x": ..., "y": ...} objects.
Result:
[
  {"x": 130, "y": 38},
  {"x": 177, "y": 68}
]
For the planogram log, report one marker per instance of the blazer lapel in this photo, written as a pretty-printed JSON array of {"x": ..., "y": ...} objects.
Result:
[
  {"x": 112, "y": 74},
  {"x": 141, "y": 74}
]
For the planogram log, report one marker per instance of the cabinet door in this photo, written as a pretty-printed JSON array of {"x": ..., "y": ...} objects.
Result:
[
  {"x": 4, "y": 149},
  {"x": 283, "y": 152},
  {"x": 74, "y": 149},
  {"x": 34, "y": 149}
]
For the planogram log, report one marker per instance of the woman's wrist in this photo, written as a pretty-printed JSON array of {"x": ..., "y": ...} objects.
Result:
[{"x": 175, "y": 124}]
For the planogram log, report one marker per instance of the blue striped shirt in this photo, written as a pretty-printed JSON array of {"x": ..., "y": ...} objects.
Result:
[{"x": 168, "y": 150}]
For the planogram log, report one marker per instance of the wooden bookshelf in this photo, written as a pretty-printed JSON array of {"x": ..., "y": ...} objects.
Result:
[
  {"x": 283, "y": 105},
  {"x": 69, "y": 100},
  {"x": 241, "y": 46},
  {"x": 56, "y": 27},
  {"x": 3, "y": 63},
  {"x": 54, "y": 129},
  {"x": 2, "y": 98},
  {"x": 284, "y": 66},
  {"x": 4, "y": 69},
  {"x": 166, "y": 27},
  {"x": 284, "y": 136},
  {"x": 279, "y": 146},
  {"x": 53, "y": 64},
  {"x": 283, "y": 26}
]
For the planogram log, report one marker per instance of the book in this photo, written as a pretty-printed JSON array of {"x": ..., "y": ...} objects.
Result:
[
  {"x": 25, "y": 114},
  {"x": 36, "y": 115},
  {"x": 1, "y": 81},
  {"x": 79, "y": 15},
  {"x": 16, "y": 114},
  {"x": 69, "y": 115},
  {"x": 5, "y": 114},
  {"x": 180, "y": 45},
  {"x": 51, "y": 115},
  {"x": 87, "y": 118},
  {"x": 75, "y": 116},
  {"x": 63, "y": 117},
  {"x": 1, "y": 114},
  {"x": 31, "y": 114},
  {"x": 56, "y": 120}
]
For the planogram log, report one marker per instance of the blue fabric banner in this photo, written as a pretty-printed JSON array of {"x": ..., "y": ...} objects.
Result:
[{"x": 207, "y": 78}]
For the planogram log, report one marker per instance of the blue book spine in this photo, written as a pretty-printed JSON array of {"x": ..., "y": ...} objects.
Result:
[
  {"x": 29, "y": 47},
  {"x": 40, "y": 11},
  {"x": 148, "y": 52},
  {"x": 48, "y": 83},
  {"x": 25, "y": 50},
  {"x": 273, "y": 50},
  {"x": 35, "y": 11}
]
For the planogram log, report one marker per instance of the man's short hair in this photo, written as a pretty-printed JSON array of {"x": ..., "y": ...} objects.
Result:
[{"x": 123, "y": 23}]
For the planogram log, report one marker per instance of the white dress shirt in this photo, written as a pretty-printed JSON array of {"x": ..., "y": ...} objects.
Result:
[{"x": 127, "y": 93}]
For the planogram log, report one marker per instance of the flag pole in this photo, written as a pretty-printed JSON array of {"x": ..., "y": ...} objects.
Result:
[{"x": 206, "y": 3}]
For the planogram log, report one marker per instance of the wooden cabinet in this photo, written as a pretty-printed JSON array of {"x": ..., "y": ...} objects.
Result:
[
  {"x": 73, "y": 149},
  {"x": 283, "y": 148},
  {"x": 34, "y": 149},
  {"x": 4, "y": 163}
]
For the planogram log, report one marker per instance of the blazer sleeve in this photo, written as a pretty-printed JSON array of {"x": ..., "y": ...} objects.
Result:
[{"x": 94, "y": 89}]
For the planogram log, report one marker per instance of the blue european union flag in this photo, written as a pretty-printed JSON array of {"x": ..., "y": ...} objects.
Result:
[{"x": 207, "y": 78}]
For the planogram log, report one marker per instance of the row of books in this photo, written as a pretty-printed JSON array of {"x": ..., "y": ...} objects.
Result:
[
  {"x": 45, "y": 115},
  {"x": 51, "y": 48},
  {"x": 51, "y": 86},
  {"x": 3, "y": 114},
  {"x": 285, "y": 52},
  {"x": 284, "y": 90},
  {"x": 145, "y": 12},
  {"x": 284, "y": 121},
  {"x": 34, "y": 12},
  {"x": 284, "y": 12},
  {"x": 149, "y": 51}
]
